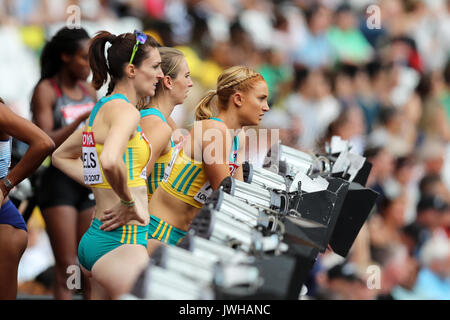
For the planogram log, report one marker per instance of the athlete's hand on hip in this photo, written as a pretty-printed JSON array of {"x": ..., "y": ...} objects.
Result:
[{"x": 118, "y": 216}]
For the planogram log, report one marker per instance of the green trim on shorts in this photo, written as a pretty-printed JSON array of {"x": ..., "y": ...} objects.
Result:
[
  {"x": 162, "y": 231},
  {"x": 95, "y": 243}
]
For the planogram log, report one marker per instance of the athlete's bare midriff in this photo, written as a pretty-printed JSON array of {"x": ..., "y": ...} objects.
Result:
[
  {"x": 171, "y": 209},
  {"x": 106, "y": 199}
]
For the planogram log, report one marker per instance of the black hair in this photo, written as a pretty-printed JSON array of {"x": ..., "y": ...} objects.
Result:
[
  {"x": 387, "y": 113},
  {"x": 300, "y": 76},
  {"x": 447, "y": 71},
  {"x": 311, "y": 11},
  {"x": 427, "y": 181},
  {"x": 404, "y": 161},
  {"x": 372, "y": 152},
  {"x": 64, "y": 41}
]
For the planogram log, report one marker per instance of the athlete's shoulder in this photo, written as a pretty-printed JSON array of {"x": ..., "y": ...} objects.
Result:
[
  {"x": 45, "y": 90},
  {"x": 211, "y": 124}
]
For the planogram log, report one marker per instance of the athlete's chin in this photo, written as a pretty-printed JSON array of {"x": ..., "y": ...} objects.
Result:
[
  {"x": 151, "y": 92},
  {"x": 251, "y": 123},
  {"x": 83, "y": 76},
  {"x": 257, "y": 121}
]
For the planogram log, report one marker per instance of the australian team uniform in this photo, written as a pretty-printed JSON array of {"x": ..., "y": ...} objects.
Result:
[
  {"x": 185, "y": 179},
  {"x": 95, "y": 242}
]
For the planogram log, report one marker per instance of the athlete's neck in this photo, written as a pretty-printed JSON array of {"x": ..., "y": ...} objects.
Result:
[
  {"x": 163, "y": 103},
  {"x": 127, "y": 90},
  {"x": 230, "y": 119},
  {"x": 66, "y": 79}
]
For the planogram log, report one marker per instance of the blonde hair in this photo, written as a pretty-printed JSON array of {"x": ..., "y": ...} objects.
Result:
[
  {"x": 171, "y": 59},
  {"x": 237, "y": 78}
]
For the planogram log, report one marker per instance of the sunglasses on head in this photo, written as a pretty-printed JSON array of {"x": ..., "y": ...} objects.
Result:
[{"x": 140, "y": 39}]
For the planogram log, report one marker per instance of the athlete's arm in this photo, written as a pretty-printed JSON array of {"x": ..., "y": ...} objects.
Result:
[
  {"x": 172, "y": 123},
  {"x": 239, "y": 174},
  {"x": 67, "y": 157},
  {"x": 174, "y": 127},
  {"x": 158, "y": 133},
  {"x": 216, "y": 147},
  {"x": 40, "y": 145},
  {"x": 123, "y": 121},
  {"x": 42, "y": 102}
]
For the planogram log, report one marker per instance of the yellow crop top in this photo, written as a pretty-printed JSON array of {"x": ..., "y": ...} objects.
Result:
[
  {"x": 136, "y": 156},
  {"x": 160, "y": 165},
  {"x": 185, "y": 178}
]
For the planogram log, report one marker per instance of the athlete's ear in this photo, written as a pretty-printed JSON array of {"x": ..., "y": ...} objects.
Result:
[
  {"x": 130, "y": 71},
  {"x": 65, "y": 57},
  {"x": 238, "y": 99},
  {"x": 168, "y": 82}
]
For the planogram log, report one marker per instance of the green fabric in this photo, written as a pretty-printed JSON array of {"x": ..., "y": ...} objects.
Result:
[
  {"x": 349, "y": 44},
  {"x": 274, "y": 76},
  {"x": 162, "y": 231},
  {"x": 95, "y": 243},
  {"x": 445, "y": 101}
]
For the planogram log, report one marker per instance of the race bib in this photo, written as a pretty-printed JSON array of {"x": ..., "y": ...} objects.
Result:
[
  {"x": 91, "y": 165},
  {"x": 175, "y": 152},
  {"x": 143, "y": 174},
  {"x": 206, "y": 190},
  {"x": 233, "y": 167},
  {"x": 204, "y": 193}
]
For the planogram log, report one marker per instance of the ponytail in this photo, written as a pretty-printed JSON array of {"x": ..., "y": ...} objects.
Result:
[
  {"x": 64, "y": 41},
  {"x": 232, "y": 79},
  {"x": 97, "y": 59},
  {"x": 204, "y": 108}
]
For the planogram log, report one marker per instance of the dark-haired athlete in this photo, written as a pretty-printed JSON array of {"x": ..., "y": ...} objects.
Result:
[
  {"x": 115, "y": 153},
  {"x": 13, "y": 230},
  {"x": 61, "y": 102}
]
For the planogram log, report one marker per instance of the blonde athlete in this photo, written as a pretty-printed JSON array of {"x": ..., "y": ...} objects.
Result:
[
  {"x": 213, "y": 150},
  {"x": 171, "y": 91}
]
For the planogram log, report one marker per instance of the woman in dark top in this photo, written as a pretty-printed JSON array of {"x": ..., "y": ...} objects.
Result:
[{"x": 61, "y": 102}]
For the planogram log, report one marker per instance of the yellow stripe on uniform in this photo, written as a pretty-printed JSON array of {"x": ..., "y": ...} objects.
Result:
[
  {"x": 123, "y": 234},
  {"x": 129, "y": 233},
  {"x": 134, "y": 235},
  {"x": 157, "y": 229},
  {"x": 162, "y": 232},
  {"x": 168, "y": 233}
]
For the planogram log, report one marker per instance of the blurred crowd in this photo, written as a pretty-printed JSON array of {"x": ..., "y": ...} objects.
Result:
[{"x": 375, "y": 73}]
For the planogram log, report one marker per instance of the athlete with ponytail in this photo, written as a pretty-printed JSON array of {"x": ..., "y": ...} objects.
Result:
[
  {"x": 194, "y": 171},
  {"x": 155, "y": 117},
  {"x": 61, "y": 102},
  {"x": 110, "y": 154}
]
